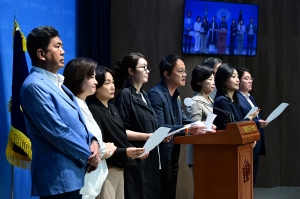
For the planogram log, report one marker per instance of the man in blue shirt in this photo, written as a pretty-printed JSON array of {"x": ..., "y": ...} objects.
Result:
[{"x": 63, "y": 149}]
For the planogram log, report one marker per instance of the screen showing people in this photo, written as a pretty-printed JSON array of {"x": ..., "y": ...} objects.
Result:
[{"x": 219, "y": 28}]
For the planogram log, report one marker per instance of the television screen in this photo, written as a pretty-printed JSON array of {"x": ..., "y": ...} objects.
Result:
[{"x": 219, "y": 28}]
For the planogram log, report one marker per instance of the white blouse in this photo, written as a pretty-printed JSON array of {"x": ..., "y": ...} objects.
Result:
[{"x": 93, "y": 181}]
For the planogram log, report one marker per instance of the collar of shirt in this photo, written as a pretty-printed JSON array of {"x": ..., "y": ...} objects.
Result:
[
  {"x": 80, "y": 102},
  {"x": 57, "y": 79},
  {"x": 246, "y": 96}
]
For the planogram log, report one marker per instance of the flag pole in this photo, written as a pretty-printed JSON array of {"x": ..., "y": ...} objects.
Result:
[{"x": 12, "y": 166}]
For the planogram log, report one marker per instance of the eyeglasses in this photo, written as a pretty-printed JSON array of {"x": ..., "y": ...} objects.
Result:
[
  {"x": 145, "y": 67},
  {"x": 182, "y": 72},
  {"x": 249, "y": 79}
]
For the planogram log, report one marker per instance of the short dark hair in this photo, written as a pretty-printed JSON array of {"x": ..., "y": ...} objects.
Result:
[
  {"x": 167, "y": 64},
  {"x": 224, "y": 72},
  {"x": 241, "y": 71},
  {"x": 200, "y": 73},
  {"x": 121, "y": 68},
  {"x": 212, "y": 61},
  {"x": 100, "y": 75},
  {"x": 39, "y": 38},
  {"x": 76, "y": 71}
]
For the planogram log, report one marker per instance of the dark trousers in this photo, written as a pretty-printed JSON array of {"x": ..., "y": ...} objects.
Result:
[
  {"x": 68, "y": 195},
  {"x": 250, "y": 39},
  {"x": 169, "y": 175},
  {"x": 232, "y": 42},
  {"x": 187, "y": 41}
]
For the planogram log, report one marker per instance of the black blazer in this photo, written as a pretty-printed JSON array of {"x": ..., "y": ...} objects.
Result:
[
  {"x": 245, "y": 107},
  {"x": 135, "y": 113},
  {"x": 225, "y": 104},
  {"x": 112, "y": 131}
]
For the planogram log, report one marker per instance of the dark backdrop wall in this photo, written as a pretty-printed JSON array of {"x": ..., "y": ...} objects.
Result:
[
  {"x": 93, "y": 30},
  {"x": 153, "y": 28}
]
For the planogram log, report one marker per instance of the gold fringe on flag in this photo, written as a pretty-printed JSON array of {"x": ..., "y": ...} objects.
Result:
[
  {"x": 17, "y": 27},
  {"x": 16, "y": 159}
]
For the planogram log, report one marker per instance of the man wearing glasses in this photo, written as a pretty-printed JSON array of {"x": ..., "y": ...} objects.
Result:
[
  {"x": 165, "y": 101},
  {"x": 246, "y": 102}
]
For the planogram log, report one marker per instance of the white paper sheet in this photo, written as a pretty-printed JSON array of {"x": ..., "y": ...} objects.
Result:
[
  {"x": 251, "y": 111},
  {"x": 185, "y": 127},
  {"x": 277, "y": 112},
  {"x": 209, "y": 121},
  {"x": 154, "y": 140}
]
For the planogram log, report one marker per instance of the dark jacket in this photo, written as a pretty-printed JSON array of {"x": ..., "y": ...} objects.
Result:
[
  {"x": 222, "y": 118},
  {"x": 135, "y": 113},
  {"x": 112, "y": 131},
  {"x": 245, "y": 107},
  {"x": 140, "y": 117},
  {"x": 159, "y": 98}
]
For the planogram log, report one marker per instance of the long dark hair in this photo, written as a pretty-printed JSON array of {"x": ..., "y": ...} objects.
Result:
[
  {"x": 121, "y": 68},
  {"x": 224, "y": 72}
]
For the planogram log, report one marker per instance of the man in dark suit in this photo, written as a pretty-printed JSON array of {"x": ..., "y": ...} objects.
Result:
[
  {"x": 251, "y": 31},
  {"x": 166, "y": 103},
  {"x": 62, "y": 147},
  {"x": 246, "y": 102},
  {"x": 223, "y": 25}
]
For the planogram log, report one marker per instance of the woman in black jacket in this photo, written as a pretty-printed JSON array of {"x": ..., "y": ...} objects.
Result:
[
  {"x": 203, "y": 34},
  {"x": 111, "y": 125},
  {"x": 140, "y": 122}
]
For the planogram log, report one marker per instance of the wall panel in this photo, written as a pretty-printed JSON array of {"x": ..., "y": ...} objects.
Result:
[{"x": 152, "y": 28}]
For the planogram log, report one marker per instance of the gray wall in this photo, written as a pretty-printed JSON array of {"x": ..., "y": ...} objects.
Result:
[{"x": 151, "y": 27}]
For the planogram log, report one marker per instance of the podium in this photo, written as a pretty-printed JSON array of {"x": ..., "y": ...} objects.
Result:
[
  {"x": 221, "y": 41},
  {"x": 223, "y": 161}
]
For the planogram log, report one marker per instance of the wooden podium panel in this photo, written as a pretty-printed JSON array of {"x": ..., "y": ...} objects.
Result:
[
  {"x": 223, "y": 162},
  {"x": 221, "y": 41}
]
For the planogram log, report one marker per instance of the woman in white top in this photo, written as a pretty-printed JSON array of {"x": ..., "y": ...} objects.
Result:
[
  {"x": 80, "y": 79},
  {"x": 197, "y": 27}
]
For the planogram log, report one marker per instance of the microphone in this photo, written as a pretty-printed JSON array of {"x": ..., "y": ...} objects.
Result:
[{"x": 189, "y": 101}]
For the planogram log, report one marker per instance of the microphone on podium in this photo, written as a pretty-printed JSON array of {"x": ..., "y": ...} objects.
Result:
[{"x": 189, "y": 101}]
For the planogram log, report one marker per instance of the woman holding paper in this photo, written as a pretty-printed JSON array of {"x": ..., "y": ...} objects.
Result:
[
  {"x": 227, "y": 83},
  {"x": 140, "y": 122},
  {"x": 83, "y": 86},
  {"x": 246, "y": 102},
  {"x": 112, "y": 127},
  {"x": 203, "y": 83}
]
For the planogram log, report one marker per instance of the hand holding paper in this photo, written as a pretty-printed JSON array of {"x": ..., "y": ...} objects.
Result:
[
  {"x": 253, "y": 109},
  {"x": 156, "y": 138},
  {"x": 209, "y": 121}
]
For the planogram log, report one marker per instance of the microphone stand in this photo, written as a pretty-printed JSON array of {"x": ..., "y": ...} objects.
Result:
[{"x": 231, "y": 117}]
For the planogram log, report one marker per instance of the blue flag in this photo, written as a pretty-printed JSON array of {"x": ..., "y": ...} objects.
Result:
[{"x": 18, "y": 149}]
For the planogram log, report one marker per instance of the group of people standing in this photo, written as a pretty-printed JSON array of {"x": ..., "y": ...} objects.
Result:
[
  {"x": 237, "y": 33},
  {"x": 224, "y": 86},
  {"x": 205, "y": 34},
  {"x": 83, "y": 145},
  {"x": 86, "y": 147}
]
